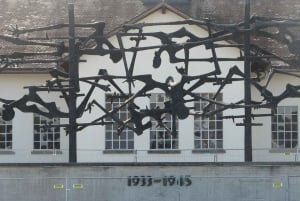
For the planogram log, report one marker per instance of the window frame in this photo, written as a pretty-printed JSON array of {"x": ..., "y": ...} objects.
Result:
[
  {"x": 6, "y": 137},
  {"x": 160, "y": 138},
  {"x": 114, "y": 142},
  {"x": 211, "y": 138},
  {"x": 281, "y": 127},
  {"x": 46, "y": 139}
]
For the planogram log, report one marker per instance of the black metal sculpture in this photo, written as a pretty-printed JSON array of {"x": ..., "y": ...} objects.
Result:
[{"x": 179, "y": 93}]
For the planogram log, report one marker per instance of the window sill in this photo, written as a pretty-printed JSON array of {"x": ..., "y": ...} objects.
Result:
[
  {"x": 285, "y": 151},
  {"x": 208, "y": 151},
  {"x": 53, "y": 152},
  {"x": 6, "y": 152},
  {"x": 118, "y": 151},
  {"x": 164, "y": 151}
]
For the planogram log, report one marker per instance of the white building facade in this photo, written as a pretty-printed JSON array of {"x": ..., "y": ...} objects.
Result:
[{"x": 197, "y": 140}]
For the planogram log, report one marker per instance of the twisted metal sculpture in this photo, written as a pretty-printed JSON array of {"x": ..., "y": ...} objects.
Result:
[{"x": 177, "y": 92}]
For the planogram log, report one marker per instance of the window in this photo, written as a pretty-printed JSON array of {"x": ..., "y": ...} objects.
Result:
[
  {"x": 161, "y": 138},
  {"x": 113, "y": 139},
  {"x": 208, "y": 132},
  {"x": 5, "y": 134},
  {"x": 47, "y": 138},
  {"x": 285, "y": 127}
]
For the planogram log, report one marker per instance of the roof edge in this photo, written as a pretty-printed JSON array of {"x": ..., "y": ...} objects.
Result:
[{"x": 142, "y": 15}]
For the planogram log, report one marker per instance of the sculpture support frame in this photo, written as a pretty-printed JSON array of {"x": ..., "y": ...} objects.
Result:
[
  {"x": 74, "y": 83},
  {"x": 247, "y": 71}
]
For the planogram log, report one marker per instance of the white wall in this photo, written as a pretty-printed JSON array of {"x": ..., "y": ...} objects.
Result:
[
  {"x": 12, "y": 88},
  {"x": 91, "y": 141}
]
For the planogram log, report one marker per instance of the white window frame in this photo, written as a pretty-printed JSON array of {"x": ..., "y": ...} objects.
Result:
[
  {"x": 6, "y": 135},
  {"x": 208, "y": 132},
  {"x": 284, "y": 127},
  {"x": 113, "y": 140},
  {"x": 46, "y": 138},
  {"x": 161, "y": 138}
]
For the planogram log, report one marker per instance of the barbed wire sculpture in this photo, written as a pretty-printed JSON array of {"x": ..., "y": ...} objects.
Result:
[{"x": 179, "y": 93}]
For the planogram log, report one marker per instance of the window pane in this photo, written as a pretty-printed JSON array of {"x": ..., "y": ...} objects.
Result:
[
  {"x": 153, "y": 144},
  {"x": 220, "y": 144},
  {"x": 288, "y": 135},
  {"x": 2, "y": 129},
  {"x": 197, "y": 135},
  {"x": 36, "y": 145},
  {"x": 197, "y": 144},
  {"x": 123, "y": 145},
  {"x": 9, "y": 137},
  {"x": 2, "y": 137},
  {"x": 212, "y": 144},
  {"x": 8, "y": 145},
  {"x": 219, "y": 135},
  {"x": 212, "y": 135},
  {"x": 205, "y": 135},
  {"x": 294, "y": 135},
  {"x": 274, "y": 135},
  {"x": 57, "y": 145},
  {"x": 50, "y": 137},
  {"x": 116, "y": 145},
  {"x": 108, "y": 144},
  {"x": 294, "y": 143},
  {"x": 123, "y": 136},
  {"x": 130, "y": 145},
  {"x": 204, "y": 144},
  {"x": 108, "y": 127},
  {"x": 50, "y": 145},
  {"x": 288, "y": 144},
  {"x": 57, "y": 137}
]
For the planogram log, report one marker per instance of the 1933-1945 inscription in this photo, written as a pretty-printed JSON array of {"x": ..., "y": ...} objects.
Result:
[{"x": 146, "y": 181}]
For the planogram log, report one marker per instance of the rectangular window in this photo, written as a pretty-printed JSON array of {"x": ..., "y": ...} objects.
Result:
[
  {"x": 6, "y": 136},
  {"x": 208, "y": 132},
  {"x": 285, "y": 127},
  {"x": 160, "y": 137},
  {"x": 113, "y": 139},
  {"x": 45, "y": 137}
]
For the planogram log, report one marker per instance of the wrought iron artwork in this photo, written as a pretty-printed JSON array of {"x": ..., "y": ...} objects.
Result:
[{"x": 179, "y": 93}]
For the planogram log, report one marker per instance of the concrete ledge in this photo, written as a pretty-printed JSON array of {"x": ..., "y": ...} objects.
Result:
[
  {"x": 118, "y": 151},
  {"x": 46, "y": 152},
  {"x": 164, "y": 151},
  {"x": 278, "y": 150},
  {"x": 150, "y": 164},
  {"x": 7, "y": 152},
  {"x": 208, "y": 151}
]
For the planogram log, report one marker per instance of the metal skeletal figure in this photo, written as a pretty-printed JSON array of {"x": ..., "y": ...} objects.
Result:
[
  {"x": 177, "y": 92},
  {"x": 58, "y": 47}
]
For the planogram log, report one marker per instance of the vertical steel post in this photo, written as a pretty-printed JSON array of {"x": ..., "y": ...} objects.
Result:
[
  {"x": 247, "y": 87},
  {"x": 73, "y": 75}
]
